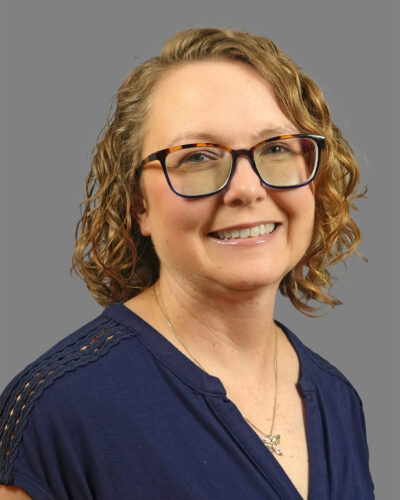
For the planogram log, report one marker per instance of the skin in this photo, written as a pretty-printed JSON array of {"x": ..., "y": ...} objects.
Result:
[
  {"x": 226, "y": 293},
  {"x": 220, "y": 298},
  {"x": 13, "y": 493}
]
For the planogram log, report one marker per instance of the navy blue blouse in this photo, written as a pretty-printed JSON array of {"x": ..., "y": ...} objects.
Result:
[{"x": 115, "y": 411}]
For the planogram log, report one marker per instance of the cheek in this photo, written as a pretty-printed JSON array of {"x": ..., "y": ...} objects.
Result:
[
  {"x": 306, "y": 218},
  {"x": 176, "y": 226},
  {"x": 171, "y": 216},
  {"x": 299, "y": 206},
  {"x": 177, "y": 217}
]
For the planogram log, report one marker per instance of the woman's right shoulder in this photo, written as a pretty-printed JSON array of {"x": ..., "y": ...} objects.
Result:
[
  {"x": 13, "y": 493},
  {"x": 70, "y": 352},
  {"x": 79, "y": 349}
]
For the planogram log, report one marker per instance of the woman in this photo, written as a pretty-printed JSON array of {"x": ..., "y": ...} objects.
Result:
[{"x": 219, "y": 180}]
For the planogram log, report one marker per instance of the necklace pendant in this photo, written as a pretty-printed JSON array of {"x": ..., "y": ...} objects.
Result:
[{"x": 272, "y": 442}]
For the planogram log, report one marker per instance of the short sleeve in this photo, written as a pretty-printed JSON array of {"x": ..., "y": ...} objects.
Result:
[{"x": 43, "y": 432}]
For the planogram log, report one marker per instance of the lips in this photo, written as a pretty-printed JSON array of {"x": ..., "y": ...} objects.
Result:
[{"x": 245, "y": 232}]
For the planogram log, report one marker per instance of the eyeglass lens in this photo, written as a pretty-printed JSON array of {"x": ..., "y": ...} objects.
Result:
[{"x": 203, "y": 170}]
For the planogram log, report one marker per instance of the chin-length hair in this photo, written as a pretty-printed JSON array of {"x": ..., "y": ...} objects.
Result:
[{"x": 111, "y": 255}]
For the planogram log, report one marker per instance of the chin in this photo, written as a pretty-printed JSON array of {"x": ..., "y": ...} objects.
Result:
[{"x": 248, "y": 284}]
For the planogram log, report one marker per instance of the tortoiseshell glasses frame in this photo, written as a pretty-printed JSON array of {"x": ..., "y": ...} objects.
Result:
[{"x": 317, "y": 140}]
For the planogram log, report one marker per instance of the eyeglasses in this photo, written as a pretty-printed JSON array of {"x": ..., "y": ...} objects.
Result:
[{"x": 203, "y": 169}]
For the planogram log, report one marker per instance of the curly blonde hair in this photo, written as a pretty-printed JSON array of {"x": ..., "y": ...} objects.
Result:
[{"x": 117, "y": 262}]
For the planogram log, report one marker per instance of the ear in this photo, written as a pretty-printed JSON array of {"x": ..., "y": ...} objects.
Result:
[{"x": 140, "y": 214}]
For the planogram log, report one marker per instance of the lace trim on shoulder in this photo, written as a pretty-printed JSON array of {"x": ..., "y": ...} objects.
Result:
[{"x": 18, "y": 398}]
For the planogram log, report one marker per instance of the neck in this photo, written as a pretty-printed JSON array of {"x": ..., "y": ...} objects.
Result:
[{"x": 229, "y": 332}]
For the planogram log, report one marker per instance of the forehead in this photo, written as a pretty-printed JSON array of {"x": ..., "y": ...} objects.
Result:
[{"x": 226, "y": 101}]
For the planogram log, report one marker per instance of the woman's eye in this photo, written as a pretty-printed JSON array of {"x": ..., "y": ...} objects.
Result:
[
  {"x": 196, "y": 158},
  {"x": 276, "y": 149},
  {"x": 200, "y": 157}
]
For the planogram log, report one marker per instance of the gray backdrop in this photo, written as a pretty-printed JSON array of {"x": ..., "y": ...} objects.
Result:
[{"x": 61, "y": 61}]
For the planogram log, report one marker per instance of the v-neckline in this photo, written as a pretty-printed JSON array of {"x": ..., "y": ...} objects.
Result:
[{"x": 229, "y": 415}]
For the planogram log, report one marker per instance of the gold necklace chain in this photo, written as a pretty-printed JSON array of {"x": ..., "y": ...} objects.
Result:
[{"x": 270, "y": 441}]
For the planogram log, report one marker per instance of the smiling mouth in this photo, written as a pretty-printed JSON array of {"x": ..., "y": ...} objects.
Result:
[{"x": 248, "y": 232}]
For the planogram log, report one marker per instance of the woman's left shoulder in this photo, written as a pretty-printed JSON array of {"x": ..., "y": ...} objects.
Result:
[{"x": 318, "y": 373}]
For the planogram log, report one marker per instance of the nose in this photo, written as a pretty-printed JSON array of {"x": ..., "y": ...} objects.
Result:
[{"x": 245, "y": 187}]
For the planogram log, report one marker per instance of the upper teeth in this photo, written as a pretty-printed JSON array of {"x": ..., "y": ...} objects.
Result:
[{"x": 248, "y": 232}]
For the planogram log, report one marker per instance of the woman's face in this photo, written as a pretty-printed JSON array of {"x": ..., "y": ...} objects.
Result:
[{"x": 224, "y": 102}]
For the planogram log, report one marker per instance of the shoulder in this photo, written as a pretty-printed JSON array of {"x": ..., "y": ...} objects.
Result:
[
  {"x": 68, "y": 360},
  {"x": 322, "y": 365},
  {"x": 335, "y": 402},
  {"x": 317, "y": 372}
]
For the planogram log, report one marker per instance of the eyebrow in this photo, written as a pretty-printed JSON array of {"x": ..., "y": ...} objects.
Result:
[{"x": 192, "y": 136}]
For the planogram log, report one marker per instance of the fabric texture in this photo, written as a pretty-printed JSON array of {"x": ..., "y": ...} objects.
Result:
[{"x": 115, "y": 411}]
